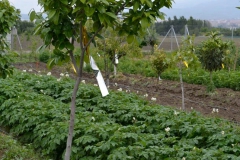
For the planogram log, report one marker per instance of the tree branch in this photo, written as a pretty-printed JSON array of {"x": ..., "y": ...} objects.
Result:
[
  {"x": 101, "y": 27},
  {"x": 72, "y": 57}
]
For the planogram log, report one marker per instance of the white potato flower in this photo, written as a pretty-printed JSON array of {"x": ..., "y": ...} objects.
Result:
[
  {"x": 120, "y": 89},
  {"x": 167, "y": 129},
  {"x": 153, "y": 99},
  {"x": 146, "y": 95}
]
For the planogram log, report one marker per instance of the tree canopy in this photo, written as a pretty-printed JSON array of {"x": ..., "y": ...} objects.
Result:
[{"x": 8, "y": 17}]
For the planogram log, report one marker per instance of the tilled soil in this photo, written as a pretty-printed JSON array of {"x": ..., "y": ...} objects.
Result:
[{"x": 166, "y": 92}]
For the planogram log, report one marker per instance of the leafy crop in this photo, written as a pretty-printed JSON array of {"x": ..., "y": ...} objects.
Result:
[
  {"x": 221, "y": 79},
  {"x": 10, "y": 149},
  {"x": 119, "y": 126}
]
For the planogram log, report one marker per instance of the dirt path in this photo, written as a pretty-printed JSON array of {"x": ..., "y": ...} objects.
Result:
[{"x": 167, "y": 93}]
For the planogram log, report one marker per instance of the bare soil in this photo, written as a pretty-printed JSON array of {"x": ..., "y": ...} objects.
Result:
[{"x": 166, "y": 92}]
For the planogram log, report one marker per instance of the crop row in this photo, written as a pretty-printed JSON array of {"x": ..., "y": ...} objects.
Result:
[
  {"x": 119, "y": 126},
  {"x": 221, "y": 79}
]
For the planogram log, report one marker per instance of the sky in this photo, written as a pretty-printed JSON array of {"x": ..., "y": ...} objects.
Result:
[
  {"x": 204, "y": 9},
  {"x": 201, "y": 9},
  {"x": 25, "y": 5}
]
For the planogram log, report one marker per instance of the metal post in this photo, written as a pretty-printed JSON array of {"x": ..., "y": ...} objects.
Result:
[{"x": 171, "y": 37}]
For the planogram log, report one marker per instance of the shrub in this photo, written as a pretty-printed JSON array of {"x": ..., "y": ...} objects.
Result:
[{"x": 44, "y": 56}]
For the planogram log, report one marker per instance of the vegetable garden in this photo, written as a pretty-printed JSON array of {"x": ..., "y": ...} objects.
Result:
[
  {"x": 34, "y": 105},
  {"x": 119, "y": 126}
]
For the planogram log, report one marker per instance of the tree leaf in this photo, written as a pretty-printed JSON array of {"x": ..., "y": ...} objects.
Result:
[
  {"x": 83, "y": 1},
  {"x": 51, "y": 13},
  {"x": 101, "y": 9},
  {"x": 89, "y": 11},
  {"x": 144, "y": 22},
  {"x": 111, "y": 15},
  {"x": 32, "y": 15},
  {"x": 142, "y": 1},
  {"x": 64, "y": 1},
  {"x": 135, "y": 6},
  {"x": 51, "y": 63},
  {"x": 130, "y": 38},
  {"x": 56, "y": 18},
  {"x": 149, "y": 3}
]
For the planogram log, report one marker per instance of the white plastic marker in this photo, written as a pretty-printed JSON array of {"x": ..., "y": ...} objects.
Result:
[
  {"x": 99, "y": 77},
  {"x": 116, "y": 59}
]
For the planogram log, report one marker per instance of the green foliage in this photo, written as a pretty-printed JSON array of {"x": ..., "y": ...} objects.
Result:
[
  {"x": 120, "y": 126},
  {"x": 230, "y": 55},
  {"x": 44, "y": 56},
  {"x": 8, "y": 17},
  {"x": 159, "y": 63},
  {"x": 24, "y": 27},
  {"x": 10, "y": 149},
  {"x": 150, "y": 37},
  {"x": 211, "y": 52},
  {"x": 221, "y": 79},
  {"x": 185, "y": 56},
  {"x": 137, "y": 66},
  {"x": 63, "y": 23}
]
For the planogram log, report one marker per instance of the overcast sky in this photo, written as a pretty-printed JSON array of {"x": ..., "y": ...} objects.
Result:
[
  {"x": 25, "y": 5},
  {"x": 195, "y": 8}
]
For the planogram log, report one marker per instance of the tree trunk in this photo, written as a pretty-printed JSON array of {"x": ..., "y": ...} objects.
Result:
[
  {"x": 72, "y": 118},
  {"x": 211, "y": 77},
  {"x": 182, "y": 87},
  {"x": 73, "y": 100},
  {"x": 115, "y": 70}
]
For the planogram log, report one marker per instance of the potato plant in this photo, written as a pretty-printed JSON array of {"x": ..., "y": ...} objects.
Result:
[
  {"x": 120, "y": 126},
  {"x": 65, "y": 24}
]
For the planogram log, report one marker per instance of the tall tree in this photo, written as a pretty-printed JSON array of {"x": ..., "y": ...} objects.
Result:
[
  {"x": 8, "y": 17},
  {"x": 65, "y": 24}
]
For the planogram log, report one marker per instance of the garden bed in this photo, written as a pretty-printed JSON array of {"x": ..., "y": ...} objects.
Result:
[{"x": 166, "y": 92}]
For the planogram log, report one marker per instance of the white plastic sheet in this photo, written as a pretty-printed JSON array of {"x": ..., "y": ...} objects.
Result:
[{"x": 99, "y": 77}]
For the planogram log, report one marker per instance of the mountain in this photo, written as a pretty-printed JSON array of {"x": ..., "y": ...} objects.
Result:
[{"x": 205, "y": 9}]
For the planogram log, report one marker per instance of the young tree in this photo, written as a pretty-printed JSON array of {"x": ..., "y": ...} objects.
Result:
[
  {"x": 65, "y": 24},
  {"x": 211, "y": 54},
  {"x": 230, "y": 56},
  {"x": 184, "y": 58},
  {"x": 159, "y": 62},
  {"x": 8, "y": 17},
  {"x": 114, "y": 47},
  {"x": 150, "y": 37}
]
